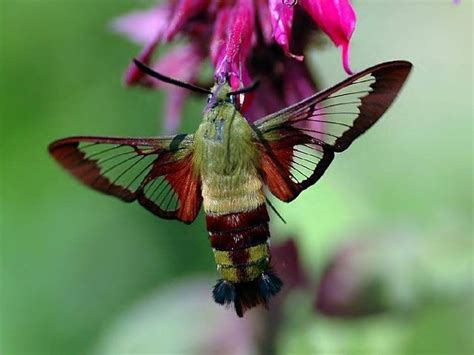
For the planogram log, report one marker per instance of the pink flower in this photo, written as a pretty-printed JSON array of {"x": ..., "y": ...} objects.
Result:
[
  {"x": 347, "y": 287},
  {"x": 337, "y": 19},
  {"x": 244, "y": 39},
  {"x": 286, "y": 262},
  {"x": 282, "y": 23},
  {"x": 235, "y": 43}
]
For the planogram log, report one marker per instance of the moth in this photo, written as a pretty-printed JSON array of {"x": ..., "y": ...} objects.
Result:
[{"x": 226, "y": 164}]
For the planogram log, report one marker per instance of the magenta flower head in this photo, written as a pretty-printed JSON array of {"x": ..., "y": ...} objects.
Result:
[
  {"x": 244, "y": 40},
  {"x": 337, "y": 19},
  {"x": 286, "y": 262},
  {"x": 355, "y": 281}
]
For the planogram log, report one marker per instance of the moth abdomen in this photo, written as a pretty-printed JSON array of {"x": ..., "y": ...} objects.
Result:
[{"x": 242, "y": 254}]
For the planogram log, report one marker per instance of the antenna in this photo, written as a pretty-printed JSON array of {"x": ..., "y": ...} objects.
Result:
[
  {"x": 147, "y": 70},
  {"x": 252, "y": 87}
]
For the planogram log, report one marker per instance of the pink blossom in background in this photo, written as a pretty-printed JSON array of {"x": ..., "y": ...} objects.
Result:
[
  {"x": 244, "y": 40},
  {"x": 347, "y": 288},
  {"x": 287, "y": 264},
  {"x": 282, "y": 22},
  {"x": 337, "y": 19}
]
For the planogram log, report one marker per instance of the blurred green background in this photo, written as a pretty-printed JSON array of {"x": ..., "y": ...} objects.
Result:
[{"x": 74, "y": 261}]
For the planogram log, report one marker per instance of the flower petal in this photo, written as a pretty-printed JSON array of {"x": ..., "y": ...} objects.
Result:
[
  {"x": 133, "y": 75},
  {"x": 219, "y": 35},
  {"x": 182, "y": 63},
  {"x": 238, "y": 44},
  {"x": 287, "y": 264},
  {"x": 298, "y": 83},
  {"x": 337, "y": 18},
  {"x": 142, "y": 27},
  {"x": 282, "y": 22},
  {"x": 182, "y": 12},
  {"x": 265, "y": 20},
  {"x": 289, "y": 82}
]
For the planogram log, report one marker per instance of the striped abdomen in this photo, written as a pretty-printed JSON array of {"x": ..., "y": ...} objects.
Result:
[
  {"x": 239, "y": 237},
  {"x": 239, "y": 242}
]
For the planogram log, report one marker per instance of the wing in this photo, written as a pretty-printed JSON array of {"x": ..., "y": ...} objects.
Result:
[
  {"x": 298, "y": 143},
  {"x": 157, "y": 172}
]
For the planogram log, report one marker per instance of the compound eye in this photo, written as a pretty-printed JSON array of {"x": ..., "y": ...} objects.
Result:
[{"x": 232, "y": 99}]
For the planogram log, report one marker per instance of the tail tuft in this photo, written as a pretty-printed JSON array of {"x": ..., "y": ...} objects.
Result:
[
  {"x": 269, "y": 284},
  {"x": 246, "y": 295},
  {"x": 224, "y": 292}
]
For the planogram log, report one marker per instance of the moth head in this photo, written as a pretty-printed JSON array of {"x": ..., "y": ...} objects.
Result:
[{"x": 222, "y": 92}]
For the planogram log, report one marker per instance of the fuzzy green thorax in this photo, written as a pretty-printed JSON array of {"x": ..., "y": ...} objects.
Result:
[
  {"x": 226, "y": 157},
  {"x": 223, "y": 141}
]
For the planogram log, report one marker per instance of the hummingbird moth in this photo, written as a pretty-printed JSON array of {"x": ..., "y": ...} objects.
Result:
[{"x": 225, "y": 165}]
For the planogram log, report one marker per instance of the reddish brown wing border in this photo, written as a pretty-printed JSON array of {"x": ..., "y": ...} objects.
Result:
[
  {"x": 277, "y": 150},
  {"x": 389, "y": 78},
  {"x": 180, "y": 177},
  {"x": 67, "y": 153},
  {"x": 178, "y": 172}
]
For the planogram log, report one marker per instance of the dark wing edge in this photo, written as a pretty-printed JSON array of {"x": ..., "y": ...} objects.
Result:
[
  {"x": 127, "y": 167},
  {"x": 389, "y": 79},
  {"x": 373, "y": 99},
  {"x": 290, "y": 147}
]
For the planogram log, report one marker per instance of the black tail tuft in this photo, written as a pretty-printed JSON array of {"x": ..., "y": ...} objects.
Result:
[
  {"x": 246, "y": 295},
  {"x": 269, "y": 284},
  {"x": 224, "y": 292}
]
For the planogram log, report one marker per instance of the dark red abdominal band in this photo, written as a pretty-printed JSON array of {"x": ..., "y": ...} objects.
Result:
[{"x": 242, "y": 230}]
